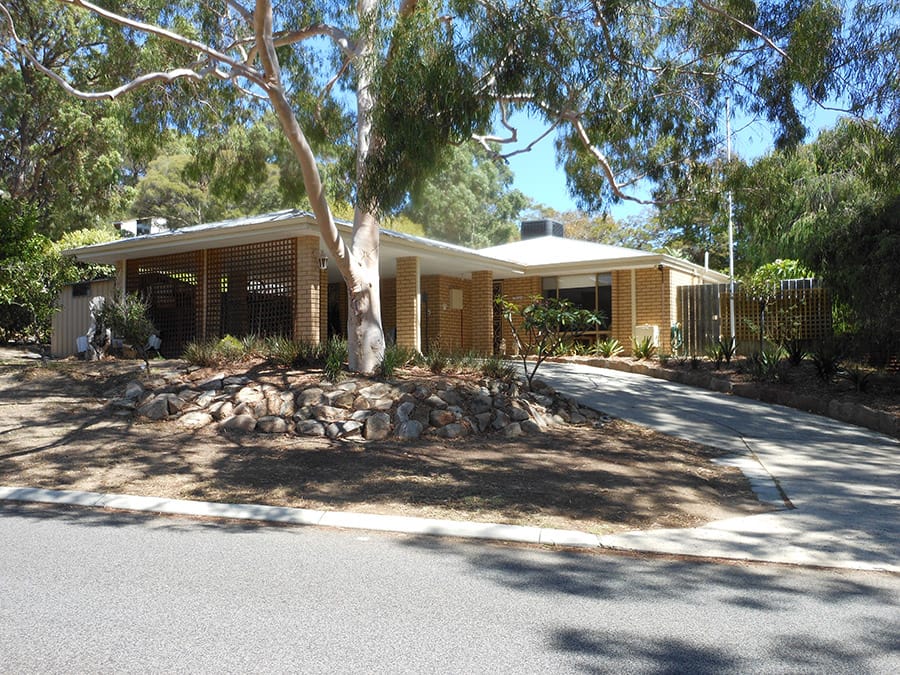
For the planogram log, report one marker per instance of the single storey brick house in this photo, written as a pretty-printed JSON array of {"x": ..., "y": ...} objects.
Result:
[{"x": 269, "y": 274}]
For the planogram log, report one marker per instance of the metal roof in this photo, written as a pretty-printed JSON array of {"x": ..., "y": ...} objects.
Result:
[{"x": 538, "y": 256}]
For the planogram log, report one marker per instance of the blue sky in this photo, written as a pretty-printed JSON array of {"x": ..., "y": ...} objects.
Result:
[{"x": 538, "y": 176}]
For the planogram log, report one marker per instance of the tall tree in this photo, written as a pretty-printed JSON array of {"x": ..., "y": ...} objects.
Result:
[
  {"x": 633, "y": 88},
  {"x": 468, "y": 200},
  {"x": 834, "y": 204}
]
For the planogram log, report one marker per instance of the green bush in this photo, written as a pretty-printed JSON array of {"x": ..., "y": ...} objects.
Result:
[
  {"x": 129, "y": 318},
  {"x": 643, "y": 349},
  {"x": 336, "y": 354},
  {"x": 201, "y": 353},
  {"x": 396, "y": 357},
  {"x": 826, "y": 357},
  {"x": 497, "y": 368},
  {"x": 607, "y": 348}
]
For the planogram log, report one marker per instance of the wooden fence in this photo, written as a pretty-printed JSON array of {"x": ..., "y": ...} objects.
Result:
[{"x": 796, "y": 312}]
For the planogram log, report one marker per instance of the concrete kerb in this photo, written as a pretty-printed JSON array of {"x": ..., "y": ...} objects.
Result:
[{"x": 295, "y": 516}]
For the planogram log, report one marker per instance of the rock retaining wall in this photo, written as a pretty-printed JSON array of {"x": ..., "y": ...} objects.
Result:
[{"x": 372, "y": 409}]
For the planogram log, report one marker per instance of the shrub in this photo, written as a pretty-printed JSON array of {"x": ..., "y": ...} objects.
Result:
[
  {"x": 201, "y": 353},
  {"x": 716, "y": 353},
  {"x": 607, "y": 348},
  {"x": 229, "y": 349},
  {"x": 794, "y": 350},
  {"x": 728, "y": 347},
  {"x": 826, "y": 357},
  {"x": 766, "y": 365},
  {"x": 129, "y": 318},
  {"x": 396, "y": 357},
  {"x": 335, "y": 357},
  {"x": 643, "y": 348},
  {"x": 281, "y": 351},
  {"x": 497, "y": 368}
]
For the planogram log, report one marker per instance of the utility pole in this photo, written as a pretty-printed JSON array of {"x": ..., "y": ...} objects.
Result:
[{"x": 730, "y": 224}]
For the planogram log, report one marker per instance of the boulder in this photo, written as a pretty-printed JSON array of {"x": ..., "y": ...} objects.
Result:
[
  {"x": 404, "y": 410},
  {"x": 501, "y": 419},
  {"x": 530, "y": 427},
  {"x": 377, "y": 390},
  {"x": 513, "y": 430},
  {"x": 280, "y": 403},
  {"x": 221, "y": 409},
  {"x": 409, "y": 430},
  {"x": 517, "y": 413},
  {"x": 436, "y": 401},
  {"x": 239, "y": 423},
  {"x": 159, "y": 407},
  {"x": 310, "y": 397},
  {"x": 451, "y": 397},
  {"x": 196, "y": 419},
  {"x": 271, "y": 424},
  {"x": 327, "y": 413},
  {"x": 441, "y": 418},
  {"x": 134, "y": 390},
  {"x": 214, "y": 382},
  {"x": 377, "y": 426},
  {"x": 340, "y": 398},
  {"x": 454, "y": 430},
  {"x": 310, "y": 428}
]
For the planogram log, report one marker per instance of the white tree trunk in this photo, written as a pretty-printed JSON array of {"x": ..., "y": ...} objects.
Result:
[{"x": 365, "y": 334}]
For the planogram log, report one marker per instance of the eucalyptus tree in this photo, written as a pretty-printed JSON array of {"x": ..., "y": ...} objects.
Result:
[{"x": 631, "y": 89}]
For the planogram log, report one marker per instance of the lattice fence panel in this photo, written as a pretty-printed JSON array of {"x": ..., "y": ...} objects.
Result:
[
  {"x": 804, "y": 313},
  {"x": 251, "y": 289},
  {"x": 170, "y": 284}
]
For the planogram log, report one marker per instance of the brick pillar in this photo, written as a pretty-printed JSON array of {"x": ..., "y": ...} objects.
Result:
[
  {"x": 482, "y": 312},
  {"x": 408, "y": 303},
  {"x": 323, "y": 305},
  {"x": 307, "y": 298}
]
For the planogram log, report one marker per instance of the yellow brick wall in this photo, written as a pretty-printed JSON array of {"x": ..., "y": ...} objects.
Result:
[
  {"x": 482, "y": 312},
  {"x": 306, "y": 303},
  {"x": 446, "y": 328},
  {"x": 406, "y": 302}
]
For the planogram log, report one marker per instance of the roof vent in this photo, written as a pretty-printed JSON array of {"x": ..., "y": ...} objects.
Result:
[{"x": 532, "y": 229}]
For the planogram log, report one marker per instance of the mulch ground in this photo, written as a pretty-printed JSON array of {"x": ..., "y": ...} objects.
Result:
[{"x": 56, "y": 431}]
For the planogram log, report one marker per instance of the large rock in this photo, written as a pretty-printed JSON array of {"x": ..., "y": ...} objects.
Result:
[
  {"x": 280, "y": 403},
  {"x": 451, "y": 397},
  {"x": 310, "y": 428},
  {"x": 221, "y": 409},
  {"x": 517, "y": 413},
  {"x": 159, "y": 407},
  {"x": 404, "y": 410},
  {"x": 441, "y": 418},
  {"x": 409, "y": 430},
  {"x": 239, "y": 423},
  {"x": 327, "y": 413},
  {"x": 340, "y": 398},
  {"x": 377, "y": 390},
  {"x": 310, "y": 397},
  {"x": 377, "y": 426},
  {"x": 134, "y": 390},
  {"x": 196, "y": 419},
  {"x": 270, "y": 424},
  {"x": 213, "y": 382},
  {"x": 513, "y": 430},
  {"x": 454, "y": 430}
]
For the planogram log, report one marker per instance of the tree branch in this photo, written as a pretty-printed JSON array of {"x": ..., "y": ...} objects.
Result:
[{"x": 721, "y": 12}]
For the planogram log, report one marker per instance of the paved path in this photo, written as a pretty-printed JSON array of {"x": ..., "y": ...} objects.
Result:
[
  {"x": 842, "y": 482},
  {"x": 103, "y": 592}
]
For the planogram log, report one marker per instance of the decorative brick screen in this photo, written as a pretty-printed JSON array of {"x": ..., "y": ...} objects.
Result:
[
  {"x": 169, "y": 284},
  {"x": 251, "y": 289}
]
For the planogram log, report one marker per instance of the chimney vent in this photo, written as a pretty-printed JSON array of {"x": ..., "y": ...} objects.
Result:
[{"x": 532, "y": 229}]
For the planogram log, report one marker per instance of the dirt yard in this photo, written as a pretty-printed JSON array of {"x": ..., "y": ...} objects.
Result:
[{"x": 57, "y": 431}]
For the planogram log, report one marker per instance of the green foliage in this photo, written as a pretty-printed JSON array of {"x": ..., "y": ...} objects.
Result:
[
  {"x": 765, "y": 365},
  {"x": 335, "y": 358},
  {"x": 858, "y": 377},
  {"x": 128, "y": 318},
  {"x": 607, "y": 348},
  {"x": 728, "y": 347},
  {"x": 643, "y": 349},
  {"x": 827, "y": 356},
  {"x": 468, "y": 200},
  {"x": 676, "y": 338},
  {"x": 497, "y": 368},
  {"x": 202, "y": 353},
  {"x": 794, "y": 349},
  {"x": 396, "y": 357},
  {"x": 716, "y": 353},
  {"x": 542, "y": 325},
  {"x": 31, "y": 274},
  {"x": 835, "y": 205}
]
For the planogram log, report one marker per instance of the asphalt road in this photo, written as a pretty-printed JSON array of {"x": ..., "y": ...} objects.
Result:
[{"x": 94, "y": 591}]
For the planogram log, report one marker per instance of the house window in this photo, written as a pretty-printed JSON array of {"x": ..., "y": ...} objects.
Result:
[
  {"x": 81, "y": 289},
  {"x": 585, "y": 291}
]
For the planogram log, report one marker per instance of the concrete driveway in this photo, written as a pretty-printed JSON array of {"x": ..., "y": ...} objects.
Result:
[{"x": 836, "y": 486}]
